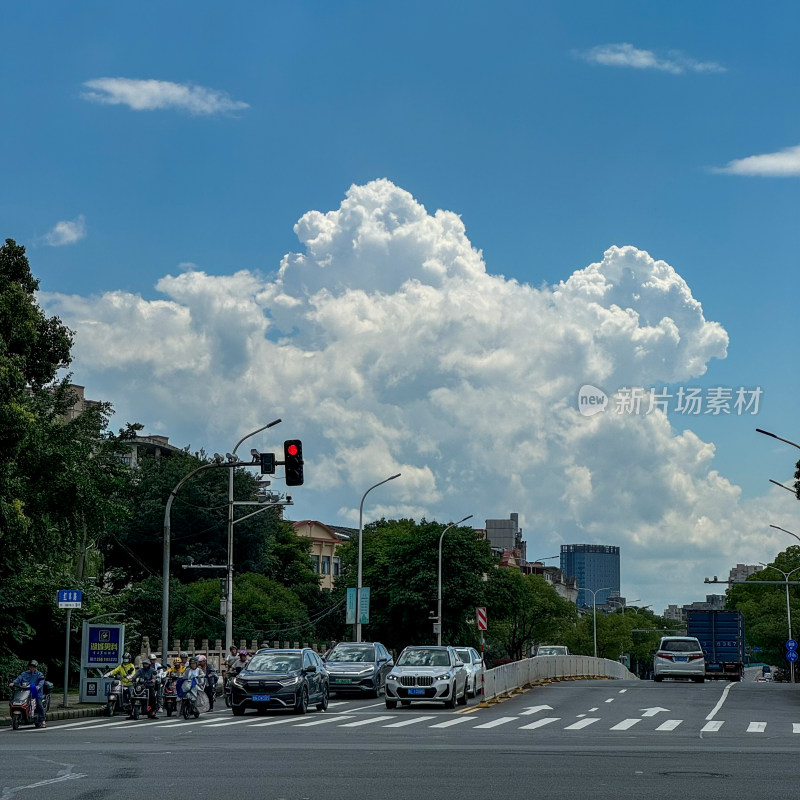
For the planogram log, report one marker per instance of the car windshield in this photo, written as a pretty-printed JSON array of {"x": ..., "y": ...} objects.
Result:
[
  {"x": 680, "y": 646},
  {"x": 550, "y": 651},
  {"x": 424, "y": 658},
  {"x": 464, "y": 655},
  {"x": 275, "y": 662},
  {"x": 349, "y": 653}
]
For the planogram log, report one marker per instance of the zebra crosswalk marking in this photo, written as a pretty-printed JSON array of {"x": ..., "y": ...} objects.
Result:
[
  {"x": 339, "y": 718},
  {"x": 669, "y": 725},
  {"x": 713, "y": 726},
  {"x": 366, "y": 721},
  {"x": 540, "y": 723},
  {"x": 625, "y": 724},
  {"x": 450, "y": 722},
  {"x": 495, "y": 722},
  {"x": 582, "y": 723},
  {"x": 405, "y": 722},
  {"x": 757, "y": 727}
]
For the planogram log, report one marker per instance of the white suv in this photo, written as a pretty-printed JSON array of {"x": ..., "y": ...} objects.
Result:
[
  {"x": 679, "y": 657},
  {"x": 427, "y": 673}
]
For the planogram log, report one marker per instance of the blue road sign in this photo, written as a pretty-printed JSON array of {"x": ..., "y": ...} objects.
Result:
[
  {"x": 791, "y": 644},
  {"x": 70, "y": 598},
  {"x": 791, "y": 655}
]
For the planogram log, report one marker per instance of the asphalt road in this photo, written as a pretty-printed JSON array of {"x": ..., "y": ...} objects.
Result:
[{"x": 600, "y": 739}]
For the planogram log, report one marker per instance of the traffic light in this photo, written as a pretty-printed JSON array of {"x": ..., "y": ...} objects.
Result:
[
  {"x": 267, "y": 463},
  {"x": 293, "y": 460}
]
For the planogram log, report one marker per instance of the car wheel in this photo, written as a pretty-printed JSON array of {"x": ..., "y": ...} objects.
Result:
[
  {"x": 324, "y": 704},
  {"x": 658, "y": 678},
  {"x": 391, "y": 704},
  {"x": 451, "y": 703},
  {"x": 462, "y": 701},
  {"x": 238, "y": 711},
  {"x": 301, "y": 706}
]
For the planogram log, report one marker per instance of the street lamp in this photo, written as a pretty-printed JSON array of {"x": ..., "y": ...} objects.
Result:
[
  {"x": 779, "y": 438},
  {"x": 594, "y": 610},
  {"x": 778, "y": 528},
  {"x": 357, "y": 627},
  {"x": 439, "y": 595},
  {"x": 788, "y": 607},
  {"x": 229, "y": 573}
]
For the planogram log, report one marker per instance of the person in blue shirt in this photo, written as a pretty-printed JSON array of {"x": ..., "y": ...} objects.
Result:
[{"x": 35, "y": 679}]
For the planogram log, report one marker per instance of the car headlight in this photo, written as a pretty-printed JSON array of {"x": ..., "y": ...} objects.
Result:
[
  {"x": 290, "y": 681},
  {"x": 392, "y": 677},
  {"x": 365, "y": 671},
  {"x": 237, "y": 682},
  {"x": 445, "y": 676}
]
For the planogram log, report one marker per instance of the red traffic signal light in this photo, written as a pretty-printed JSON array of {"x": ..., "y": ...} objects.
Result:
[{"x": 293, "y": 461}]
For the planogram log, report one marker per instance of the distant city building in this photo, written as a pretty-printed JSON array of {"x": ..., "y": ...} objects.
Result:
[
  {"x": 713, "y": 602},
  {"x": 673, "y": 612},
  {"x": 505, "y": 534},
  {"x": 566, "y": 587},
  {"x": 81, "y": 404},
  {"x": 741, "y": 572},
  {"x": 324, "y": 543},
  {"x": 595, "y": 567}
]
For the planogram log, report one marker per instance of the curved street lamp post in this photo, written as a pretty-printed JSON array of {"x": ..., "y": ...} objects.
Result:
[
  {"x": 788, "y": 607},
  {"x": 439, "y": 593},
  {"x": 594, "y": 610},
  {"x": 357, "y": 624}
]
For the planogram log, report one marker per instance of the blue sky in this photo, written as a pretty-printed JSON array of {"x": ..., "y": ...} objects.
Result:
[{"x": 553, "y": 130}]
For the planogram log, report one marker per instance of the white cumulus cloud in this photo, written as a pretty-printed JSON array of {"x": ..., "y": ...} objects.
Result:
[
  {"x": 66, "y": 232},
  {"x": 387, "y": 346},
  {"x": 624, "y": 54},
  {"x": 151, "y": 95},
  {"x": 783, "y": 164}
]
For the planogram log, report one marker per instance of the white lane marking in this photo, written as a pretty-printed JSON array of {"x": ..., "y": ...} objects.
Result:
[
  {"x": 592, "y": 709},
  {"x": 366, "y": 721},
  {"x": 364, "y": 708},
  {"x": 60, "y": 727},
  {"x": 581, "y": 724},
  {"x": 495, "y": 722},
  {"x": 279, "y": 721},
  {"x": 540, "y": 723},
  {"x": 712, "y": 727},
  {"x": 340, "y": 718},
  {"x": 796, "y": 727},
  {"x": 722, "y": 699},
  {"x": 239, "y": 721},
  {"x": 622, "y": 691},
  {"x": 625, "y": 724},
  {"x": 669, "y": 725},
  {"x": 534, "y": 709},
  {"x": 651, "y": 712},
  {"x": 580, "y": 715},
  {"x": 12, "y": 790},
  {"x": 450, "y": 722},
  {"x": 757, "y": 727},
  {"x": 610, "y": 700},
  {"x": 405, "y": 722}
]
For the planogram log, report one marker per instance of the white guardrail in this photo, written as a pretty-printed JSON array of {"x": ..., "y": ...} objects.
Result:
[{"x": 509, "y": 677}]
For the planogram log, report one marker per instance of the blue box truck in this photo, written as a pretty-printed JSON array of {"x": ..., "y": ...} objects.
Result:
[{"x": 721, "y": 635}]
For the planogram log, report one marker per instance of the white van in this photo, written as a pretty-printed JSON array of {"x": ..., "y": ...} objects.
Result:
[{"x": 553, "y": 650}]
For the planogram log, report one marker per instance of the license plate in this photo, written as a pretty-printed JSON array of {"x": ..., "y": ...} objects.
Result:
[
  {"x": 260, "y": 698},
  {"x": 681, "y": 658},
  {"x": 416, "y": 691},
  {"x": 341, "y": 680}
]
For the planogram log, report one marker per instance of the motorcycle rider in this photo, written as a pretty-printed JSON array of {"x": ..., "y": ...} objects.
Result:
[
  {"x": 211, "y": 679},
  {"x": 124, "y": 674},
  {"x": 150, "y": 678},
  {"x": 154, "y": 660},
  {"x": 178, "y": 667},
  {"x": 241, "y": 663},
  {"x": 230, "y": 659},
  {"x": 35, "y": 680}
]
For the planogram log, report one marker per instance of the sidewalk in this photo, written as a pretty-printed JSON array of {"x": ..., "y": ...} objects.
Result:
[{"x": 76, "y": 709}]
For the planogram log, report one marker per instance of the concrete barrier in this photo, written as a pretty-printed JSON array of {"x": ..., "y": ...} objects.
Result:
[{"x": 507, "y": 679}]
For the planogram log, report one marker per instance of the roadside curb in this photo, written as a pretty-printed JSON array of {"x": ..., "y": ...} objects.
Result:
[{"x": 63, "y": 713}]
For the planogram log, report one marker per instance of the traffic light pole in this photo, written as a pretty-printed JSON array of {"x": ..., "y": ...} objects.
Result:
[{"x": 229, "y": 574}]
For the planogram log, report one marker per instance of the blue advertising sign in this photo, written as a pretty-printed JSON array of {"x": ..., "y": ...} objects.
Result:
[
  {"x": 791, "y": 644},
  {"x": 350, "y": 618},
  {"x": 103, "y": 645},
  {"x": 791, "y": 655},
  {"x": 363, "y": 612}
]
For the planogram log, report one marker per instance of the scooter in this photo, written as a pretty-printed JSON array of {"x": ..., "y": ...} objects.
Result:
[
  {"x": 119, "y": 698},
  {"x": 24, "y": 707},
  {"x": 144, "y": 698},
  {"x": 193, "y": 697},
  {"x": 170, "y": 695}
]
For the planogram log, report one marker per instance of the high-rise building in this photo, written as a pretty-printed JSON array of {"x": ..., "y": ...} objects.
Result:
[
  {"x": 741, "y": 572},
  {"x": 596, "y": 567},
  {"x": 505, "y": 534}
]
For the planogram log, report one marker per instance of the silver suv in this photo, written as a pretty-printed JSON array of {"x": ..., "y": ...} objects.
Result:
[
  {"x": 679, "y": 657},
  {"x": 427, "y": 673}
]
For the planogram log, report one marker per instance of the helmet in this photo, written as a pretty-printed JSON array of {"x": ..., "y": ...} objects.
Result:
[
  {"x": 126, "y": 657},
  {"x": 201, "y": 659},
  {"x": 184, "y": 655},
  {"x": 145, "y": 662},
  {"x": 153, "y": 656},
  {"x": 33, "y": 663},
  {"x": 243, "y": 652},
  {"x": 192, "y": 660},
  {"x": 176, "y": 661}
]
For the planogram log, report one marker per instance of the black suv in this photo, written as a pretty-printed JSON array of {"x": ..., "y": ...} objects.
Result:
[
  {"x": 358, "y": 668},
  {"x": 289, "y": 679}
]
